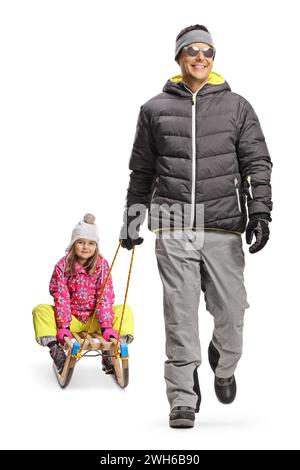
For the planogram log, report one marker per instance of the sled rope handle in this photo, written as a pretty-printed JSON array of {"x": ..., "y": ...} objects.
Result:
[
  {"x": 100, "y": 297},
  {"x": 125, "y": 297}
]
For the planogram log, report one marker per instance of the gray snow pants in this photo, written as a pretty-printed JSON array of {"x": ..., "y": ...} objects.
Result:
[{"x": 213, "y": 261}]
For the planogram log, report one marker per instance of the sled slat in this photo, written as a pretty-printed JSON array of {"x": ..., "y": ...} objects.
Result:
[
  {"x": 83, "y": 337},
  {"x": 77, "y": 337},
  {"x": 91, "y": 343},
  {"x": 97, "y": 336},
  {"x": 68, "y": 342},
  {"x": 107, "y": 345},
  {"x": 97, "y": 340}
]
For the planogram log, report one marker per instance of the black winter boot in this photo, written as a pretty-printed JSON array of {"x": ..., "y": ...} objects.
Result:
[
  {"x": 182, "y": 417},
  {"x": 58, "y": 355},
  {"x": 225, "y": 388},
  {"x": 107, "y": 364}
]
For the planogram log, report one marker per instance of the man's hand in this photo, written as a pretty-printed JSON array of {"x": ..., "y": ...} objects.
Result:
[
  {"x": 129, "y": 242},
  {"x": 129, "y": 235},
  {"x": 258, "y": 225}
]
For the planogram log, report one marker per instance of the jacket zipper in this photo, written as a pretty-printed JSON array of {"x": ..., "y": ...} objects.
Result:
[
  {"x": 237, "y": 193},
  {"x": 193, "y": 190},
  {"x": 250, "y": 187}
]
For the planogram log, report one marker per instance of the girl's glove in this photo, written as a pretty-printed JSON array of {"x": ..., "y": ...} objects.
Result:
[
  {"x": 258, "y": 225},
  {"x": 108, "y": 333},
  {"x": 61, "y": 333}
]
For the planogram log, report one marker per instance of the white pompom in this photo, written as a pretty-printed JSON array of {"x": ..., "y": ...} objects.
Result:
[{"x": 89, "y": 218}]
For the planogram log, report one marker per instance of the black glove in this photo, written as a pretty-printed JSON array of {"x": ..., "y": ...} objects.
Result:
[
  {"x": 129, "y": 242},
  {"x": 258, "y": 225}
]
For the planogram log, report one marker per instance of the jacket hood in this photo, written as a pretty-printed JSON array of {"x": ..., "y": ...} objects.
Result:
[{"x": 214, "y": 84}]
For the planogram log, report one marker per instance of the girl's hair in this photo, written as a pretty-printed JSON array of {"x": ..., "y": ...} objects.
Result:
[{"x": 90, "y": 265}]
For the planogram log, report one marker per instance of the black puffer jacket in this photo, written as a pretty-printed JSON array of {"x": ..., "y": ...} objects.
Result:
[{"x": 206, "y": 151}]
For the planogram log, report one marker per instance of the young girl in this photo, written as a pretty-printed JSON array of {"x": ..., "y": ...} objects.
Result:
[{"x": 75, "y": 286}]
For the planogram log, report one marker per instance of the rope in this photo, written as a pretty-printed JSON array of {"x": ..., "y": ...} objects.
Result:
[
  {"x": 79, "y": 354},
  {"x": 94, "y": 355},
  {"x": 125, "y": 298},
  {"x": 99, "y": 299},
  {"x": 91, "y": 355}
]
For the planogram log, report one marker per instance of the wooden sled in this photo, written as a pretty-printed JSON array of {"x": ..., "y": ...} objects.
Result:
[{"x": 94, "y": 342}]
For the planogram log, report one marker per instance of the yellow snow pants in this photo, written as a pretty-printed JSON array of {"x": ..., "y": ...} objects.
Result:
[{"x": 45, "y": 324}]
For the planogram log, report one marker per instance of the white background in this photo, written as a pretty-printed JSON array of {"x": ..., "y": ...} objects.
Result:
[{"x": 73, "y": 76}]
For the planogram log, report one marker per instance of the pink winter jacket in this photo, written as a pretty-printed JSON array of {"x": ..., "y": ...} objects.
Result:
[{"x": 77, "y": 294}]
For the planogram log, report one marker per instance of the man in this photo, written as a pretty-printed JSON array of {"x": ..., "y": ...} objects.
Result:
[{"x": 199, "y": 146}]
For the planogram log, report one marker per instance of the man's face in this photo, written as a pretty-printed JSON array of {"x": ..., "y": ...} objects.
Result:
[{"x": 195, "y": 68}]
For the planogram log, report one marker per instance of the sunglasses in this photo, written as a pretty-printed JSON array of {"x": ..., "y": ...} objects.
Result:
[{"x": 193, "y": 51}]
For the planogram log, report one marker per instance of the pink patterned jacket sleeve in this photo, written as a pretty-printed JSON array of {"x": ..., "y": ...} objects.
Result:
[
  {"x": 59, "y": 290},
  {"x": 105, "y": 313}
]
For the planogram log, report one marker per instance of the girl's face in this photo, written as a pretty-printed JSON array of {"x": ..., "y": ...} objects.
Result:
[{"x": 84, "y": 249}]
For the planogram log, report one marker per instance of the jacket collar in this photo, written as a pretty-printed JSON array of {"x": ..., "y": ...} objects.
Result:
[
  {"x": 80, "y": 269},
  {"x": 215, "y": 83}
]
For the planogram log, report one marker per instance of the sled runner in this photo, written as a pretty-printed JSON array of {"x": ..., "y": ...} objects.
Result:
[
  {"x": 94, "y": 342},
  {"x": 90, "y": 342}
]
